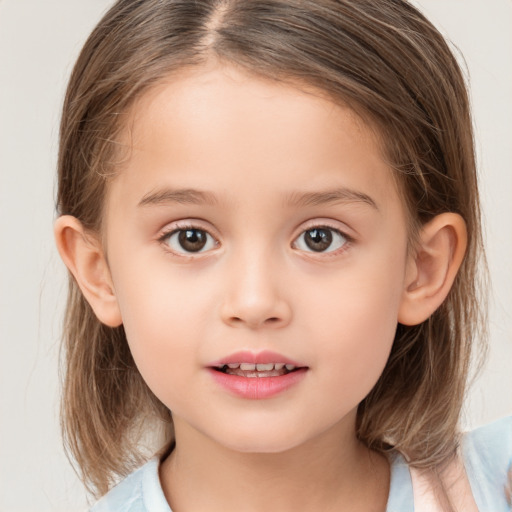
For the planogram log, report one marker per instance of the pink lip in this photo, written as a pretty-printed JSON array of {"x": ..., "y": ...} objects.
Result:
[
  {"x": 255, "y": 358},
  {"x": 256, "y": 388}
]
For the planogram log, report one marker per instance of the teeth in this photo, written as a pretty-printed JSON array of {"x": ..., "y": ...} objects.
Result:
[
  {"x": 260, "y": 367},
  {"x": 265, "y": 367}
]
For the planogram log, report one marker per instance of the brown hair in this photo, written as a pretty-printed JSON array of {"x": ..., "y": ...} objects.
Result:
[{"x": 384, "y": 60}]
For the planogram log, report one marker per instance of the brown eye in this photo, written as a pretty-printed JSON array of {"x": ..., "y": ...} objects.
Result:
[
  {"x": 190, "y": 240},
  {"x": 320, "y": 239}
]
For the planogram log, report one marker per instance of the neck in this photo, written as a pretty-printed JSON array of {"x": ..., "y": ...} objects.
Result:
[{"x": 331, "y": 472}]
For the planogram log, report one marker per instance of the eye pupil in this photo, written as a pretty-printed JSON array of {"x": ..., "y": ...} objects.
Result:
[
  {"x": 318, "y": 239},
  {"x": 192, "y": 240}
]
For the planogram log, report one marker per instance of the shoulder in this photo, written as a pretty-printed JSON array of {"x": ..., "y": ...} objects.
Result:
[
  {"x": 489, "y": 446},
  {"x": 487, "y": 454},
  {"x": 139, "y": 492},
  {"x": 400, "y": 487}
]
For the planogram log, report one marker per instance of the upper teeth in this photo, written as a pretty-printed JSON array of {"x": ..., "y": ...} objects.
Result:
[{"x": 261, "y": 367}]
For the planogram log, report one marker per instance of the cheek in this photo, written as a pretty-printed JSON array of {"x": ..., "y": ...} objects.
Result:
[
  {"x": 159, "y": 350},
  {"x": 164, "y": 316},
  {"x": 356, "y": 323},
  {"x": 355, "y": 357},
  {"x": 361, "y": 338}
]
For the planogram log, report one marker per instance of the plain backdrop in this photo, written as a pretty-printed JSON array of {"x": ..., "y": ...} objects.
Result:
[{"x": 39, "y": 41}]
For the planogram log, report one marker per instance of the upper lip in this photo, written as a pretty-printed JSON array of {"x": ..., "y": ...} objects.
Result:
[{"x": 264, "y": 357}]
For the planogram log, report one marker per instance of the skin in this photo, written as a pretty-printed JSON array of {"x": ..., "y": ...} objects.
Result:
[{"x": 265, "y": 157}]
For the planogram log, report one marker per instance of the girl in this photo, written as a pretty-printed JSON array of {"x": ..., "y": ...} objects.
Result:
[{"x": 270, "y": 213}]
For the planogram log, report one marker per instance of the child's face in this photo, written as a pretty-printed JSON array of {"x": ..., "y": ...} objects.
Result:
[{"x": 293, "y": 240}]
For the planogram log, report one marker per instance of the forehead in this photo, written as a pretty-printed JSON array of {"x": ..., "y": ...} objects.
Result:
[{"x": 201, "y": 127}]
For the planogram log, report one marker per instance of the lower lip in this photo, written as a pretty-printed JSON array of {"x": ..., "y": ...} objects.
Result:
[{"x": 258, "y": 388}]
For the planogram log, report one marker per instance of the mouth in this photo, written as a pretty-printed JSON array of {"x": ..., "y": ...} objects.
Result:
[
  {"x": 257, "y": 375},
  {"x": 257, "y": 370}
]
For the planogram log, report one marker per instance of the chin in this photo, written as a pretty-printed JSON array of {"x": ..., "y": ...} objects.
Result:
[{"x": 268, "y": 440}]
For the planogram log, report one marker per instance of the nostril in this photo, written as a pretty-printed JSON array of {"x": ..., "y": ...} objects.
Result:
[{"x": 236, "y": 320}]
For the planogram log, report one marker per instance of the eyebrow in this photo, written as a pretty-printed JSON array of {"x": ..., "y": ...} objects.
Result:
[
  {"x": 182, "y": 196},
  {"x": 339, "y": 195},
  {"x": 295, "y": 199}
]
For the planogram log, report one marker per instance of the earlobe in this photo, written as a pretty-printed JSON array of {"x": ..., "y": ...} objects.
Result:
[
  {"x": 83, "y": 255},
  {"x": 432, "y": 267}
]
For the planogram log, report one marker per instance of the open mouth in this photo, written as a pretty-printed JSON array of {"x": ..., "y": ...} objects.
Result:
[
  {"x": 259, "y": 370},
  {"x": 260, "y": 376}
]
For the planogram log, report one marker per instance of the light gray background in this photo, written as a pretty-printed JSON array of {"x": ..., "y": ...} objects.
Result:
[{"x": 39, "y": 41}]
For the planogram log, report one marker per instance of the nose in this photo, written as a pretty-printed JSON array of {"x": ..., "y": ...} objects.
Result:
[{"x": 256, "y": 293}]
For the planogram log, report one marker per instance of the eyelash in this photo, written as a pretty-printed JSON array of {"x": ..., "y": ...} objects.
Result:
[
  {"x": 347, "y": 240},
  {"x": 180, "y": 229},
  {"x": 177, "y": 230}
]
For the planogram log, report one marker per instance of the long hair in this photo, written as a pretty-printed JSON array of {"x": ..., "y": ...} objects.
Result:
[{"x": 385, "y": 61}]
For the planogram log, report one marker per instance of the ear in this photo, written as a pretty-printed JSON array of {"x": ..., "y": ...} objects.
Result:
[
  {"x": 83, "y": 254},
  {"x": 432, "y": 267}
]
